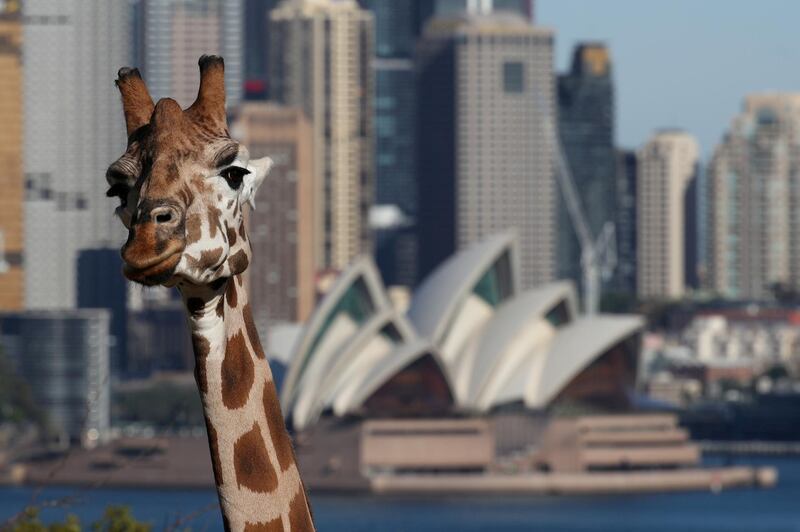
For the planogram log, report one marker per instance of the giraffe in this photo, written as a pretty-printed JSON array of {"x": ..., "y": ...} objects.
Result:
[{"x": 183, "y": 184}]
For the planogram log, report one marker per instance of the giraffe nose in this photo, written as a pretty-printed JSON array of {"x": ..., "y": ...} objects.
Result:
[
  {"x": 155, "y": 236},
  {"x": 162, "y": 214}
]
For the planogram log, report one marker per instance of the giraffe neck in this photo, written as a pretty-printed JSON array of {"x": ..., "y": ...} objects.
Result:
[{"x": 255, "y": 471}]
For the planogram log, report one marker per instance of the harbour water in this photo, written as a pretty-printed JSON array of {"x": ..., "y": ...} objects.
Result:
[{"x": 775, "y": 510}]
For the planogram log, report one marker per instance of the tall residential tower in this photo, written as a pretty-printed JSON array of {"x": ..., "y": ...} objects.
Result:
[
  {"x": 320, "y": 54},
  {"x": 667, "y": 168},
  {"x": 754, "y": 200}
]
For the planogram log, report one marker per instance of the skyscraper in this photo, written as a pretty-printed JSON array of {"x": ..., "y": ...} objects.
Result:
[
  {"x": 624, "y": 280},
  {"x": 586, "y": 126},
  {"x": 754, "y": 200},
  {"x": 320, "y": 56},
  {"x": 282, "y": 274},
  {"x": 100, "y": 285},
  {"x": 72, "y": 131},
  {"x": 256, "y": 47},
  {"x": 11, "y": 182},
  {"x": 395, "y": 33},
  {"x": 64, "y": 357},
  {"x": 397, "y": 26},
  {"x": 667, "y": 167},
  {"x": 485, "y": 165},
  {"x": 173, "y": 36},
  {"x": 485, "y": 160}
]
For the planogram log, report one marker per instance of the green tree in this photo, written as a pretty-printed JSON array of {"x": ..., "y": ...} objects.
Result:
[
  {"x": 119, "y": 519},
  {"x": 115, "y": 519}
]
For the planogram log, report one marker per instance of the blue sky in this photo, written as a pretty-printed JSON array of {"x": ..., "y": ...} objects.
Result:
[{"x": 683, "y": 63}]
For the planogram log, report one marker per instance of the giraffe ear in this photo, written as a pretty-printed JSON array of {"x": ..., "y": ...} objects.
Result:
[{"x": 259, "y": 168}]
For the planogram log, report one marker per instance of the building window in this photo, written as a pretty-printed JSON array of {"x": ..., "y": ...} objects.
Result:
[{"x": 513, "y": 79}]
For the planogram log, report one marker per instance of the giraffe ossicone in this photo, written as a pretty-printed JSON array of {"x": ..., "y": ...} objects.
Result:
[{"x": 183, "y": 184}]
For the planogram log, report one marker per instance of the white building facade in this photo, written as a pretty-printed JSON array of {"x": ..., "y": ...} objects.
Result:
[
  {"x": 667, "y": 164},
  {"x": 321, "y": 52},
  {"x": 754, "y": 203},
  {"x": 73, "y": 129}
]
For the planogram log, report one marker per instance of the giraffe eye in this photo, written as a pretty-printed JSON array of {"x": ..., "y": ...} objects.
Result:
[{"x": 234, "y": 175}]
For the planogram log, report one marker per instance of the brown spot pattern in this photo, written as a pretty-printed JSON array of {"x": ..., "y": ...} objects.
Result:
[
  {"x": 230, "y": 295},
  {"x": 201, "y": 348},
  {"x": 239, "y": 262},
  {"x": 209, "y": 258},
  {"x": 251, "y": 463},
  {"x": 194, "y": 228},
  {"x": 276, "y": 525},
  {"x": 300, "y": 513},
  {"x": 277, "y": 428},
  {"x": 216, "y": 464},
  {"x": 252, "y": 332},
  {"x": 213, "y": 221},
  {"x": 231, "y": 236},
  {"x": 237, "y": 373}
]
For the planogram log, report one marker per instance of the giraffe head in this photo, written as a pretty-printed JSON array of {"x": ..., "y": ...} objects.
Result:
[{"x": 182, "y": 184}]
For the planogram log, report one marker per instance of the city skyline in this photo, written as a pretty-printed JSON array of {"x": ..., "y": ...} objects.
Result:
[
  {"x": 719, "y": 54},
  {"x": 424, "y": 247}
]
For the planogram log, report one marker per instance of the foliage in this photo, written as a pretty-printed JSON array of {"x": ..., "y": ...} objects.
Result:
[
  {"x": 115, "y": 519},
  {"x": 119, "y": 519}
]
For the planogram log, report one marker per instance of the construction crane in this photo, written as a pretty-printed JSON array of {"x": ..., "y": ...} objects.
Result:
[{"x": 598, "y": 255}]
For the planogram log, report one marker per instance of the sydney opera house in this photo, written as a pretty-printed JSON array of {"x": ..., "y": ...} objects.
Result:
[
  {"x": 470, "y": 343},
  {"x": 470, "y": 372}
]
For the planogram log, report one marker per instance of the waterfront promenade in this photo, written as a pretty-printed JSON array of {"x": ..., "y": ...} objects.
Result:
[{"x": 184, "y": 463}]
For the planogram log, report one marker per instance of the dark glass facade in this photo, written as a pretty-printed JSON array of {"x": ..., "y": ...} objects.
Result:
[
  {"x": 397, "y": 26},
  {"x": 396, "y": 250},
  {"x": 256, "y": 47},
  {"x": 625, "y": 274},
  {"x": 100, "y": 285},
  {"x": 586, "y": 125},
  {"x": 497, "y": 284},
  {"x": 436, "y": 136},
  {"x": 394, "y": 135},
  {"x": 558, "y": 316}
]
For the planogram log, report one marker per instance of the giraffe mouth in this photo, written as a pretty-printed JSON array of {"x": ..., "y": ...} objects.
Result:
[{"x": 156, "y": 270}]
